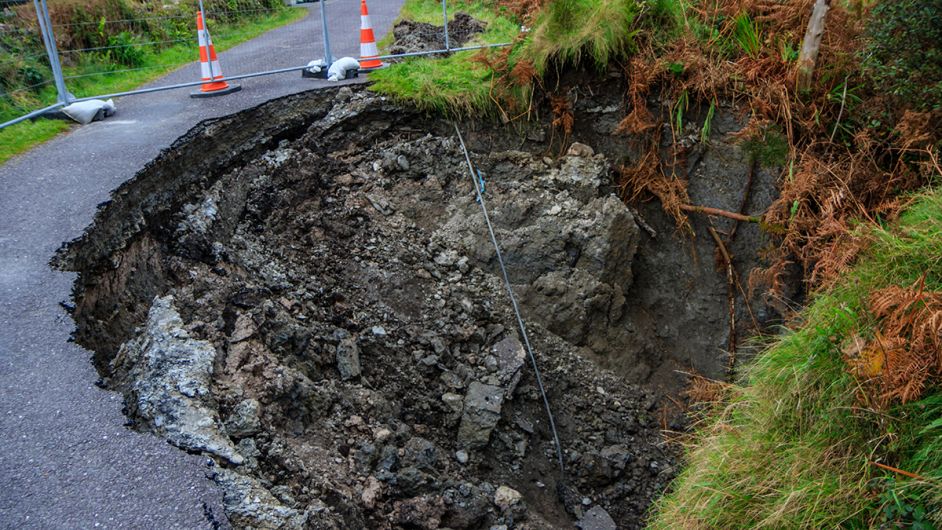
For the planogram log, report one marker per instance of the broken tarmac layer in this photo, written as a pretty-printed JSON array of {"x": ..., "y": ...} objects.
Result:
[{"x": 311, "y": 299}]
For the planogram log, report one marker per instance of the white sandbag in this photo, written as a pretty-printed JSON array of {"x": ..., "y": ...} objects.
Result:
[
  {"x": 86, "y": 112},
  {"x": 338, "y": 70},
  {"x": 315, "y": 67}
]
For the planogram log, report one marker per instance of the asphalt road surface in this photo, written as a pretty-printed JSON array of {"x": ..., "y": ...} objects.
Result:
[{"x": 66, "y": 459}]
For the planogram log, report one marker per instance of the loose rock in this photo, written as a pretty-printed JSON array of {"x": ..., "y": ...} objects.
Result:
[
  {"x": 371, "y": 492},
  {"x": 505, "y": 497},
  {"x": 249, "y": 505},
  {"x": 482, "y": 405},
  {"x": 577, "y": 149},
  {"x": 596, "y": 519},
  {"x": 244, "y": 419},
  {"x": 348, "y": 359}
]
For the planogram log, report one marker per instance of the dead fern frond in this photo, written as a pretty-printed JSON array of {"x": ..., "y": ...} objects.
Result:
[
  {"x": 702, "y": 390},
  {"x": 647, "y": 177},
  {"x": 637, "y": 121},
  {"x": 919, "y": 130},
  {"x": 641, "y": 73},
  {"x": 563, "y": 117},
  {"x": 523, "y": 73},
  {"x": 910, "y": 337}
]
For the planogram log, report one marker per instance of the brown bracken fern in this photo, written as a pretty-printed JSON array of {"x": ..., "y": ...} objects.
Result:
[{"x": 910, "y": 339}]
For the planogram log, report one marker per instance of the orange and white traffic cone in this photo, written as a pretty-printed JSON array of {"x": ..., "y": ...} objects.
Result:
[
  {"x": 211, "y": 72},
  {"x": 369, "y": 53}
]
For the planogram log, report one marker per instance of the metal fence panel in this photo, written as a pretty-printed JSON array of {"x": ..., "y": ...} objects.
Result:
[
  {"x": 329, "y": 30},
  {"x": 28, "y": 82},
  {"x": 447, "y": 14},
  {"x": 298, "y": 42}
]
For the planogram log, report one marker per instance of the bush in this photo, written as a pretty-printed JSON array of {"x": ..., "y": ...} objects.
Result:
[
  {"x": 24, "y": 60},
  {"x": 126, "y": 49},
  {"x": 32, "y": 75},
  {"x": 903, "y": 56}
]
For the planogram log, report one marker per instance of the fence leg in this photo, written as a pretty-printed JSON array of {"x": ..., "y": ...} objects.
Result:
[
  {"x": 445, "y": 16},
  {"x": 328, "y": 58},
  {"x": 49, "y": 39}
]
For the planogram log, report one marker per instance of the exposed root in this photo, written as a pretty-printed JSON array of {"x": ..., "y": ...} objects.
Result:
[
  {"x": 747, "y": 190},
  {"x": 721, "y": 213},
  {"x": 563, "y": 118},
  {"x": 647, "y": 176},
  {"x": 730, "y": 297}
]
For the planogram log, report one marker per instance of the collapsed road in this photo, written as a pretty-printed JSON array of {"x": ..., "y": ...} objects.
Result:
[{"x": 306, "y": 295}]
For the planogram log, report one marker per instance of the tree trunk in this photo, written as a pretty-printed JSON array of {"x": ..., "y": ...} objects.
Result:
[{"x": 811, "y": 45}]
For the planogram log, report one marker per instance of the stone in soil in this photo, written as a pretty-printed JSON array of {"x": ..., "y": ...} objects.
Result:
[
  {"x": 596, "y": 519},
  {"x": 482, "y": 406}
]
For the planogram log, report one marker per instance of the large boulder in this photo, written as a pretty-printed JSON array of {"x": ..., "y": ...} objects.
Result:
[{"x": 567, "y": 241}]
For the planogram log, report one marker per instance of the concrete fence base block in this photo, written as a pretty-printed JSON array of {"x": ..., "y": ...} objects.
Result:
[
  {"x": 307, "y": 74},
  {"x": 223, "y": 92}
]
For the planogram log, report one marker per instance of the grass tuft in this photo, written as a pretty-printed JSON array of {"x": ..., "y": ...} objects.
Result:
[
  {"x": 746, "y": 35},
  {"x": 447, "y": 85},
  {"x": 564, "y": 32},
  {"x": 456, "y": 84},
  {"x": 570, "y": 31}
]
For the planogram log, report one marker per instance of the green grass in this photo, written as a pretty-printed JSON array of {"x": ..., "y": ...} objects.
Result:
[
  {"x": 792, "y": 447},
  {"x": 570, "y": 31},
  {"x": 447, "y": 85},
  {"x": 669, "y": 20},
  {"x": 746, "y": 35},
  {"x": 23, "y": 136},
  {"x": 567, "y": 31},
  {"x": 452, "y": 84}
]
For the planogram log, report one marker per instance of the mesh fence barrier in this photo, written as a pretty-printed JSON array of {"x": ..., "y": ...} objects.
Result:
[{"x": 57, "y": 51}]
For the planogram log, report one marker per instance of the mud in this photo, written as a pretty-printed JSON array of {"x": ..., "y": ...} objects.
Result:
[
  {"x": 305, "y": 292},
  {"x": 411, "y": 37}
]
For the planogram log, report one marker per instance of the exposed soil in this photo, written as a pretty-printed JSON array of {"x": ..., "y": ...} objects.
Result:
[
  {"x": 677, "y": 321},
  {"x": 306, "y": 293},
  {"x": 411, "y": 37}
]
